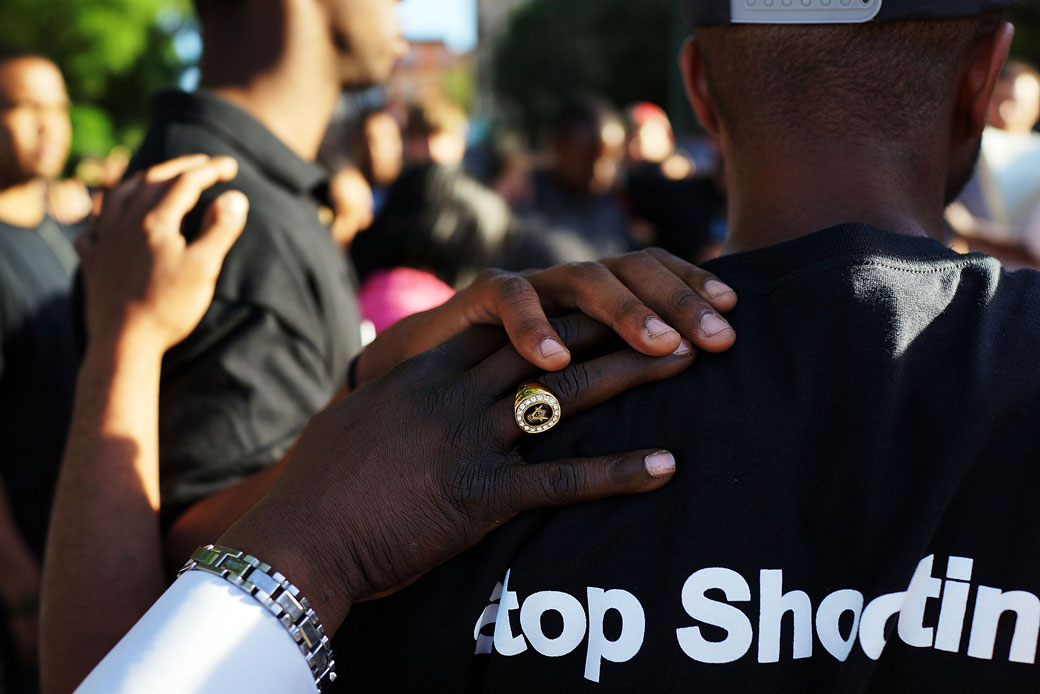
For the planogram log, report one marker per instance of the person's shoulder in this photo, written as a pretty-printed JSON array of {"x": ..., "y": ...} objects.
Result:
[
  {"x": 169, "y": 139},
  {"x": 262, "y": 243},
  {"x": 987, "y": 320},
  {"x": 261, "y": 256},
  {"x": 1016, "y": 295},
  {"x": 950, "y": 288}
]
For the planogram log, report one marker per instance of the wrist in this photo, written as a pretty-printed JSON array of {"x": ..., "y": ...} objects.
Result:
[
  {"x": 301, "y": 556},
  {"x": 124, "y": 342},
  {"x": 274, "y": 592}
]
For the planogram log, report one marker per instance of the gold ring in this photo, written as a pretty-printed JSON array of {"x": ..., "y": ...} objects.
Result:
[{"x": 537, "y": 410}]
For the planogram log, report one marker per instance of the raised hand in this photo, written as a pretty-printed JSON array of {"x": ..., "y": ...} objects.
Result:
[{"x": 139, "y": 272}]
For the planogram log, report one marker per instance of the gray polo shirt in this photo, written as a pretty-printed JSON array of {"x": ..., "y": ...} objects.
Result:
[{"x": 276, "y": 344}]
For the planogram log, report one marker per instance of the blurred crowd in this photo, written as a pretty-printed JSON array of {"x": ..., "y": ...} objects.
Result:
[{"x": 421, "y": 207}]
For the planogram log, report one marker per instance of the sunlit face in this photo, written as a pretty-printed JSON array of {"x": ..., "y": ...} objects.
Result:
[
  {"x": 367, "y": 35},
  {"x": 35, "y": 131},
  {"x": 385, "y": 148}
]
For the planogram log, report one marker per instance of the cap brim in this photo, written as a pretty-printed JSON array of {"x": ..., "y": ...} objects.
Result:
[{"x": 705, "y": 13}]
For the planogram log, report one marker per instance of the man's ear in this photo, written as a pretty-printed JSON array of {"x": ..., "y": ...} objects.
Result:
[
  {"x": 980, "y": 80},
  {"x": 691, "y": 61}
]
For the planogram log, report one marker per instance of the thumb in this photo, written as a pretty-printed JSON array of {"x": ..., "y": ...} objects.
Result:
[
  {"x": 577, "y": 480},
  {"x": 223, "y": 224}
]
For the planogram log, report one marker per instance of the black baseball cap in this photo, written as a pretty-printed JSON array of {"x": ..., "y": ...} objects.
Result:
[{"x": 704, "y": 13}]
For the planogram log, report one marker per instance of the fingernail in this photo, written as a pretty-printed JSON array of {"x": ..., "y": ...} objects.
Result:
[
  {"x": 655, "y": 327},
  {"x": 684, "y": 349},
  {"x": 716, "y": 289},
  {"x": 712, "y": 325},
  {"x": 660, "y": 464},
  {"x": 550, "y": 348},
  {"x": 235, "y": 204}
]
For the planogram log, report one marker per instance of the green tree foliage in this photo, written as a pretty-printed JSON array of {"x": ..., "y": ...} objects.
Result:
[
  {"x": 460, "y": 86},
  {"x": 618, "y": 48},
  {"x": 115, "y": 54}
]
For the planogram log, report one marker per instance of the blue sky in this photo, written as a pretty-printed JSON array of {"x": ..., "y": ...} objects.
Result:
[{"x": 454, "y": 21}]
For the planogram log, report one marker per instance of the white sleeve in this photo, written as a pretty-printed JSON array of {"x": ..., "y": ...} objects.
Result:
[{"x": 203, "y": 635}]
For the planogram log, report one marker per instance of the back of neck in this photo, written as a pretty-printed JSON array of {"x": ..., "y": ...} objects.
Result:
[
  {"x": 300, "y": 129},
  {"x": 288, "y": 88},
  {"x": 780, "y": 193}
]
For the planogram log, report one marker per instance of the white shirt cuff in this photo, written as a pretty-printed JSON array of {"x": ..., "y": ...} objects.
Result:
[{"x": 203, "y": 635}]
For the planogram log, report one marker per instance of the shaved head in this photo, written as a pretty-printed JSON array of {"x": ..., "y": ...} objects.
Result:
[{"x": 874, "y": 79}]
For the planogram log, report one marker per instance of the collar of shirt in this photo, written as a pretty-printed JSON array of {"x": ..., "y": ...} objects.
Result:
[
  {"x": 763, "y": 266},
  {"x": 246, "y": 133}
]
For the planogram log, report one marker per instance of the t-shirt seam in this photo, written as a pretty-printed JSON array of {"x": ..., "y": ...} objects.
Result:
[{"x": 947, "y": 266}]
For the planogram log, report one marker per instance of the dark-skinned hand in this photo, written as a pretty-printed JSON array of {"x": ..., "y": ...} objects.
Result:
[
  {"x": 651, "y": 299},
  {"x": 414, "y": 468}
]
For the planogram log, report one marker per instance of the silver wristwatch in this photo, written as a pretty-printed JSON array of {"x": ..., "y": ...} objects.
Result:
[{"x": 278, "y": 596}]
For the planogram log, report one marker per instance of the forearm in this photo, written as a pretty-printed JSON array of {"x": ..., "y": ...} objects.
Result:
[
  {"x": 209, "y": 518},
  {"x": 104, "y": 561}
]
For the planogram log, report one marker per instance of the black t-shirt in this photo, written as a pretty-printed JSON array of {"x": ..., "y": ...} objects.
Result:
[
  {"x": 39, "y": 357},
  {"x": 869, "y": 447},
  {"x": 276, "y": 344}
]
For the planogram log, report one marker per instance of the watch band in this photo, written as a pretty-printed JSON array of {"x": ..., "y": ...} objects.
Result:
[{"x": 278, "y": 596}]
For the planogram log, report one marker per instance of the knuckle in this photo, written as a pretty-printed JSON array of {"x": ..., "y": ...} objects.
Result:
[
  {"x": 562, "y": 482},
  {"x": 630, "y": 262},
  {"x": 683, "y": 301},
  {"x": 571, "y": 383},
  {"x": 693, "y": 275},
  {"x": 191, "y": 179},
  {"x": 417, "y": 368},
  {"x": 154, "y": 174},
  {"x": 587, "y": 270},
  {"x": 154, "y": 220},
  {"x": 530, "y": 326},
  {"x": 487, "y": 276},
  {"x": 632, "y": 308},
  {"x": 614, "y": 469},
  {"x": 513, "y": 289},
  {"x": 658, "y": 253}
]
